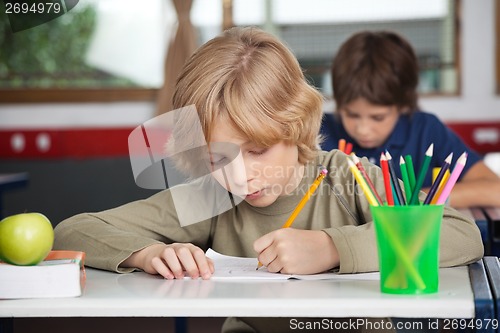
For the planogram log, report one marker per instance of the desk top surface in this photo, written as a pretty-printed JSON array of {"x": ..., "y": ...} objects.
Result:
[{"x": 109, "y": 294}]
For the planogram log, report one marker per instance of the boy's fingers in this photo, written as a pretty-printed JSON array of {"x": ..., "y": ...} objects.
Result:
[
  {"x": 263, "y": 242},
  {"x": 170, "y": 257},
  {"x": 162, "y": 269},
  {"x": 203, "y": 267}
]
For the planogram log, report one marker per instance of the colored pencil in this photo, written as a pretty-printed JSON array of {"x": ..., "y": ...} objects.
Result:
[
  {"x": 421, "y": 175},
  {"x": 394, "y": 179},
  {"x": 394, "y": 196},
  {"x": 367, "y": 179},
  {"x": 305, "y": 198},
  {"x": 404, "y": 175},
  {"x": 342, "y": 145},
  {"x": 348, "y": 148},
  {"x": 411, "y": 173},
  {"x": 364, "y": 186},
  {"x": 437, "y": 181},
  {"x": 457, "y": 170},
  {"x": 387, "y": 179},
  {"x": 442, "y": 183}
]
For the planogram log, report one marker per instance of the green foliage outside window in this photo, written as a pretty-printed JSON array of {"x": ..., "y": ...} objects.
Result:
[{"x": 52, "y": 55}]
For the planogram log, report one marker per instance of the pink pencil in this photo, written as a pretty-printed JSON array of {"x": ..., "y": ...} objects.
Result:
[{"x": 457, "y": 170}]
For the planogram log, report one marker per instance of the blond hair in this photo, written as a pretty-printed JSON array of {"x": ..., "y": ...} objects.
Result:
[{"x": 249, "y": 78}]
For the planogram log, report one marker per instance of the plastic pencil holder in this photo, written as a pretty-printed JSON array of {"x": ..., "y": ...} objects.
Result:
[{"x": 408, "y": 247}]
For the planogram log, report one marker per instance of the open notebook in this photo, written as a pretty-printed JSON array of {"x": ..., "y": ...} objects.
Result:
[{"x": 228, "y": 267}]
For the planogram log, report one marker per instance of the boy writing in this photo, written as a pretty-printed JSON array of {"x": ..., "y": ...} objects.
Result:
[
  {"x": 250, "y": 93},
  {"x": 375, "y": 77}
]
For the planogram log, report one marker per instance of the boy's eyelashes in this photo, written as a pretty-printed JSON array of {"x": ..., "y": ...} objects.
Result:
[
  {"x": 258, "y": 151},
  {"x": 378, "y": 118},
  {"x": 219, "y": 159}
]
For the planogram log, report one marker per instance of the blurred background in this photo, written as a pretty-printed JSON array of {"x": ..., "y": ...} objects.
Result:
[{"x": 72, "y": 89}]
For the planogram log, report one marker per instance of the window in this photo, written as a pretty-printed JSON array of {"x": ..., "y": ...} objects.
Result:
[
  {"x": 315, "y": 29},
  {"x": 98, "y": 50},
  {"x": 108, "y": 50}
]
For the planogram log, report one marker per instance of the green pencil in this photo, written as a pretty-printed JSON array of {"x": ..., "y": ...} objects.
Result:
[
  {"x": 404, "y": 175},
  {"x": 421, "y": 175},
  {"x": 411, "y": 172}
]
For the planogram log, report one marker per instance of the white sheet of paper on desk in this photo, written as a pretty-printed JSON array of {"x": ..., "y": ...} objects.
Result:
[{"x": 229, "y": 267}]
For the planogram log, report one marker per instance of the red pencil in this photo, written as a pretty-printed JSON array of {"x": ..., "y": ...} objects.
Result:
[
  {"x": 368, "y": 180},
  {"x": 348, "y": 148},
  {"x": 387, "y": 179}
]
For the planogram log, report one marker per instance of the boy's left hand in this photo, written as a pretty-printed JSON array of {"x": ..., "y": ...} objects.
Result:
[{"x": 293, "y": 251}]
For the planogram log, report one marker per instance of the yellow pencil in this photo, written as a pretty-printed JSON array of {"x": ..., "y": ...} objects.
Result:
[
  {"x": 441, "y": 187},
  {"x": 361, "y": 181},
  {"x": 305, "y": 198}
]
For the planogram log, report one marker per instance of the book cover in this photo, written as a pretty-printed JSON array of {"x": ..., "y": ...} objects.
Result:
[{"x": 60, "y": 274}]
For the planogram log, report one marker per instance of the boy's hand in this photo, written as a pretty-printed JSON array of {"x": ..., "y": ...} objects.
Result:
[
  {"x": 293, "y": 251},
  {"x": 172, "y": 261}
]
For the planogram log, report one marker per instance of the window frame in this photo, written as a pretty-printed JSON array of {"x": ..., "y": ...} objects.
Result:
[
  {"x": 55, "y": 95},
  {"x": 497, "y": 46}
]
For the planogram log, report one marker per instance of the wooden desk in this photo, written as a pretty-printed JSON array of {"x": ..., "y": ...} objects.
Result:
[
  {"x": 463, "y": 293},
  {"x": 10, "y": 181}
]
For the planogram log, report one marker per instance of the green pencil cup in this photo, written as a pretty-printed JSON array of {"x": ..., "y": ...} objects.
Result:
[{"x": 408, "y": 247}]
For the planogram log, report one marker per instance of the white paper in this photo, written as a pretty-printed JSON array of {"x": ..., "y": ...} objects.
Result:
[{"x": 229, "y": 267}]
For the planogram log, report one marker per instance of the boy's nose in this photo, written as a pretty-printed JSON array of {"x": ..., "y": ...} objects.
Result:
[
  {"x": 237, "y": 173},
  {"x": 362, "y": 128}
]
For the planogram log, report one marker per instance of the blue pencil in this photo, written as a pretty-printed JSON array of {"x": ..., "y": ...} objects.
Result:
[
  {"x": 437, "y": 181},
  {"x": 394, "y": 179}
]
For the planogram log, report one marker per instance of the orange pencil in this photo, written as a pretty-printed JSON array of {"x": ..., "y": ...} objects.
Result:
[
  {"x": 342, "y": 145},
  {"x": 442, "y": 183},
  {"x": 305, "y": 198}
]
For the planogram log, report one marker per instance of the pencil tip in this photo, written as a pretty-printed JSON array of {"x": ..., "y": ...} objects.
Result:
[
  {"x": 449, "y": 158},
  {"x": 401, "y": 160},
  {"x": 430, "y": 150}
]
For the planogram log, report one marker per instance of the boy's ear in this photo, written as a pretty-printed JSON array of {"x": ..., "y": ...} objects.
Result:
[{"x": 404, "y": 110}]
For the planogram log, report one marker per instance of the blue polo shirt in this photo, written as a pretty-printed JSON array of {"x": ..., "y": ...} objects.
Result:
[{"x": 412, "y": 135}]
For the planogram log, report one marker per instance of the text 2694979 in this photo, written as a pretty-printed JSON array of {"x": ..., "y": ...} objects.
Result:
[
  {"x": 32, "y": 8},
  {"x": 473, "y": 323}
]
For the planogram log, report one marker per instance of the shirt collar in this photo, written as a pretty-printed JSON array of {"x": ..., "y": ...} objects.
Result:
[{"x": 400, "y": 134}]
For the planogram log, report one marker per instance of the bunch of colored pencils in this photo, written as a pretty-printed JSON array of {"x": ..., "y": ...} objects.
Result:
[
  {"x": 345, "y": 147},
  {"x": 412, "y": 183}
]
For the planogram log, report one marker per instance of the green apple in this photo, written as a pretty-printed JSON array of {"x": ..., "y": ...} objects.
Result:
[{"x": 25, "y": 239}]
